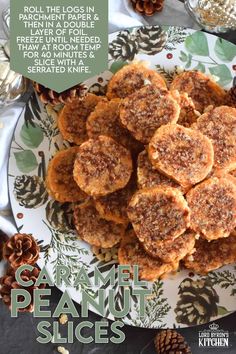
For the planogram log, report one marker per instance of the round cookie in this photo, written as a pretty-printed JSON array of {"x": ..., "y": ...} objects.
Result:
[
  {"x": 232, "y": 177},
  {"x": 221, "y": 173},
  {"x": 213, "y": 207},
  {"x": 95, "y": 230},
  {"x": 131, "y": 253},
  {"x": 131, "y": 78},
  {"x": 59, "y": 181},
  {"x": 149, "y": 177},
  {"x": 212, "y": 255},
  {"x": 181, "y": 154},
  {"x": 173, "y": 251},
  {"x": 158, "y": 214},
  {"x": 114, "y": 206},
  {"x": 203, "y": 91},
  {"x": 72, "y": 118},
  {"x": 188, "y": 114},
  {"x": 219, "y": 125},
  {"x": 104, "y": 120},
  {"x": 102, "y": 166},
  {"x": 143, "y": 112}
]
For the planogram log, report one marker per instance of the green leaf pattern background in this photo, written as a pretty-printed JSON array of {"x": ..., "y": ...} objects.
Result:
[
  {"x": 37, "y": 139},
  {"x": 197, "y": 53}
]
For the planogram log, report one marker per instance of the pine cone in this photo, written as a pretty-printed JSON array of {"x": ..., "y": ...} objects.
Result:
[
  {"x": 151, "y": 39},
  {"x": 124, "y": 47},
  {"x": 8, "y": 282},
  {"x": 105, "y": 254},
  {"x": 50, "y": 96},
  {"x": 3, "y": 239},
  {"x": 60, "y": 216},
  {"x": 147, "y": 7},
  {"x": 197, "y": 303},
  {"x": 30, "y": 191},
  {"x": 169, "y": 341},
  {"x": 21, "y": 249}
]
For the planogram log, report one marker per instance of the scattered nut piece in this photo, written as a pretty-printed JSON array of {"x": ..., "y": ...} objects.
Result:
[
  {"x": 62, "y": 350},
  {"x": 63, "y": 319}
]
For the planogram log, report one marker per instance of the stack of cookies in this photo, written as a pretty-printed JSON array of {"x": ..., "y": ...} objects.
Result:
[{"x": 152, "y": 169}]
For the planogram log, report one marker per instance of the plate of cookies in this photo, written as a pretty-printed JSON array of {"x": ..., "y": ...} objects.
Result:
[{"x": 141, "y": 170}]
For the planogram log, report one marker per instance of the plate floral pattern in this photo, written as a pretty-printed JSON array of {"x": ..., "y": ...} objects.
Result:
[{"x": 183, "y": 299}]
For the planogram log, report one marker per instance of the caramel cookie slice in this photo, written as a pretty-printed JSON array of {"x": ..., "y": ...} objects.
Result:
[
  {"x": 149, "y": 177},
  {"x": 232, "y": 177},
  {"x": 114, "y": 206},
  {"x": 143, "y": 112},
  {"x": 95, "y": 230},
  {"x": 73, "y": 116},
  {"x": 173, "y": 251},
  {"x": 158, "y": 214},
  {"x": 104, "y": 120},
  {"x": 181, "y": 154},
  {"x": 200, "y": 88},
  {"x": 212, "y": 255},
  {"x": 102, "y": 166},
  {"x": 188, "y": 114},
  {"x": 60, "y": 182},
  {"x": 219, "y": 125},
  {"x": 131, "y": 78},
  {"x": 132, "y": 253},
  {"x": 221, "y": 173},
  {"x": 213, "y": 207}
]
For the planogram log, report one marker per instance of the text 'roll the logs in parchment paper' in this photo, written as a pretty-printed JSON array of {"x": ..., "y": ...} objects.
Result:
[{"x": 59, "y": 44}]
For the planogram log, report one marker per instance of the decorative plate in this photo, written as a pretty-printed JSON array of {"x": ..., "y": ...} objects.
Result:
[{"x": 183, "y": 299}]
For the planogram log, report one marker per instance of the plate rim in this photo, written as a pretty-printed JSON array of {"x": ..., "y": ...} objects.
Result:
[{"x": 11, "y": 195}]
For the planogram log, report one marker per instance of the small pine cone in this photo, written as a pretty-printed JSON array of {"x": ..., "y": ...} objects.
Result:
[
  {"x": 124, "y": 47},
  {"x": 171, "y": 342},
  {"x": 50, "y": 96},
  {"x": 3, "y": 239},
  {"x": 8, "y": 282},
  {"x": 21, "y": 249},
  {"x": 30, "y": 191},
  {"x": 151, "y": 39},
  {"x": 147, "y": 7},
  {"x": 197, "y": 302},
  {"x": 60, "y": 216}
]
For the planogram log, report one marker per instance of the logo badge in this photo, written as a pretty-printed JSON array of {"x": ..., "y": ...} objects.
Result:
[{"x": 214, "y": 337}]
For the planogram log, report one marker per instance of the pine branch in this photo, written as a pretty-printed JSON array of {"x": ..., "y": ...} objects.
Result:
[
  {"x": 175, "y": 36},
  {"x": 224, "y": 279},
  {"x": 168, "y": 75},
  {"x": 156, "y": 309}
]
